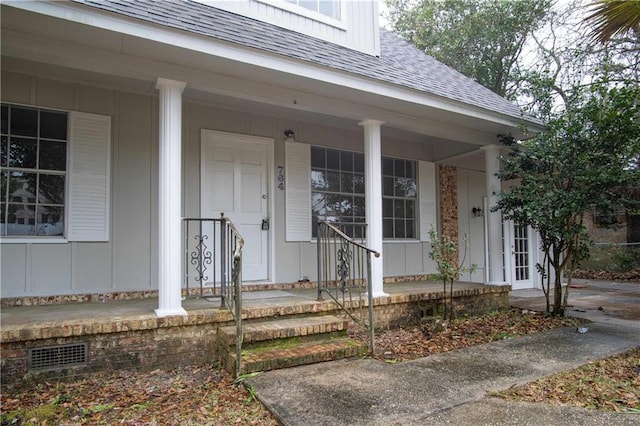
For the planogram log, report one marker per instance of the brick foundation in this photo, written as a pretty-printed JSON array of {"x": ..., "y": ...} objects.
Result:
[{"x": 146, "y": 342}]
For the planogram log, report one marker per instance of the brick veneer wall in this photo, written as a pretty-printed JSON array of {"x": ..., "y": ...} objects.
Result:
[
  {"x": 147, "y": 342},
  {"x": 448, "y": 179}
]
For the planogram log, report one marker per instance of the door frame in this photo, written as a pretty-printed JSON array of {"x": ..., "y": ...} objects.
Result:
[
  {"x": 269, "y": 142},
  {"x": 509, "y": 258}
]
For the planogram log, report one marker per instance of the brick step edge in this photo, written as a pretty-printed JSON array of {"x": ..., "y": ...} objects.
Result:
[
  {"x": 282, "y": 329},
  {"x": 306, "y": 353}
]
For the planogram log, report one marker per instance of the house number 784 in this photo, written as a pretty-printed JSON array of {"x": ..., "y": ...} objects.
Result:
[{"x": 280, "y": 178}]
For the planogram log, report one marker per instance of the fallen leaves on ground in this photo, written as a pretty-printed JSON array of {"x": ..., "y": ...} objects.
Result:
[
  {"x": 437, "y": 336},
  {"x": 611, "y": 384},
  {"x": 188, "y": 395},
  {"x": 207, "y": 395}
]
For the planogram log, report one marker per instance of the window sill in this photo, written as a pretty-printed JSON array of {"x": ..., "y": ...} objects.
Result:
[
  {"x": 399, "y": 241},
  {"x": 387, "y": 241},
  {"x": 17, "y": 240}
]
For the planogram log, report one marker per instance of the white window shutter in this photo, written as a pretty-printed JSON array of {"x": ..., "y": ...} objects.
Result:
[
  {"x": 298, "y": 191},
  {"x": 88, "y": 211},
  {"x": 427, "y": 185}
]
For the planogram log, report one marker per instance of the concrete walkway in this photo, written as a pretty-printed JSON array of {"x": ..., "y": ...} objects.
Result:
[{"x": 449, "y": 388}]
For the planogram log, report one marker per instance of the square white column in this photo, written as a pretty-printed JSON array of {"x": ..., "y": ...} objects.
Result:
[
  {"x": 373, "y": 199},
  {"x": 170, "y": 198},
  {"x": 494, "y": 218}
]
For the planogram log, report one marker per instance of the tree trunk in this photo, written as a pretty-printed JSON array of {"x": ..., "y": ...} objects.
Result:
[
  {"x": 444, "y": 298},
  {"x": 557, "y": 293},
  {"x": 451, "y": 315}
]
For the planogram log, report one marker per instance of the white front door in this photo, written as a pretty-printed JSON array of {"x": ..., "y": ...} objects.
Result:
[
  {"x": 234, "y": 181},
  {"x": 521, "y": 256}
]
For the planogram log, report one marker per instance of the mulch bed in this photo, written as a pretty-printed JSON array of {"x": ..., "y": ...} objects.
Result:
[{"x": 437, "y": 336}]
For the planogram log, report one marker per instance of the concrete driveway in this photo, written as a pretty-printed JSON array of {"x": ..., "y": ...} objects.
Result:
[
  {"x": 453, "y": 387},
  {"x": 606, "y": 302}
]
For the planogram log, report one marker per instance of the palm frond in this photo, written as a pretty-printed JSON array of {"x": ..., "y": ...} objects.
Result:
[{"x": 614, "y": 17}]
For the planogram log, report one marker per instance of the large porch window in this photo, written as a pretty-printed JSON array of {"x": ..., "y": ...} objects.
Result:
[
  {"x": 33, "y": 165},
  {"x": 399, "y": 195},
  {"x": 337, "y": 192},
  {"x": 337, "y": 187}
]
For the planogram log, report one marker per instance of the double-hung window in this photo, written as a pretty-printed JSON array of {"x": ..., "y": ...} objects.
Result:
[
  {"x": 33, "y": 171},
  {"x": 337, "y": 187},
  {"x": 54, "y": 175},
  {"x": 337, "y": 192},
  {"x": 399, "y": 196}
]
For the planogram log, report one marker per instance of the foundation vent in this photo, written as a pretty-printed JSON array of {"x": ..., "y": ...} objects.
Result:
[{"x": 58, "y": 357}]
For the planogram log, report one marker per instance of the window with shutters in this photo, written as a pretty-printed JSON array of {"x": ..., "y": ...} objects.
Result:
[
  {"x": 337, "y": 191},
  {"x": 337, "y": 186},
  {"x": 33, "y": 171},
  {"x": 54, "y": 175}
]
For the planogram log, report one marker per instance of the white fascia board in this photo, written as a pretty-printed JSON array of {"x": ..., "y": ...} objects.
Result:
[
  {"x": 208, "y": 45},
  {"x": 26, "y": 47}
]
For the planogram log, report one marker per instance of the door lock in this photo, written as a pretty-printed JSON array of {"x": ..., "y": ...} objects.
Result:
[{"x": 265, "y": 224}]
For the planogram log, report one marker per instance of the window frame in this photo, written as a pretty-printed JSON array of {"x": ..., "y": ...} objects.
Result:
[
  {"x": 23, "y": 239},
  {"x": 310, "y": 13},
  {"x": 340, "y": 193},
  {"x": 415, "y": 200}
]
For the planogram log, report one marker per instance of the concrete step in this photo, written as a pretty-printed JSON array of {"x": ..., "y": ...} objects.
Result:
[
  {"x": 282, "y": 329},
  {"x": 309, "y": 352}
]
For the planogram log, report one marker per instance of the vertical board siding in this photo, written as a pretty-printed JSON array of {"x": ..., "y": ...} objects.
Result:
[
  {"x": 427, "y": 188},
  {"x": 471, "y": 191},
  {"x": 357, "y": 30}
]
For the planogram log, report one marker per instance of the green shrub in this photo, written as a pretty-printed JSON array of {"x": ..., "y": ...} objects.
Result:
[{"x": 613, "y": 258}]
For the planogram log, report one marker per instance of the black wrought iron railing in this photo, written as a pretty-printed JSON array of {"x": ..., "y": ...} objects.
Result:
[
  {"x": 344, "y": 271},
  {"x": 213, "y": 262}
]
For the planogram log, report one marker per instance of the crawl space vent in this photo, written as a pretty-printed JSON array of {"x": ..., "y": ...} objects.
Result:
[{"x": 58, "y": 357}]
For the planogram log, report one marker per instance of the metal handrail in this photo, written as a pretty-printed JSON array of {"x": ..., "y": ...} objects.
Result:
[
  {"x": 222, "y": 259},
  {"x": 236, "y": 279},
  {"x": 340, "y": 271}
]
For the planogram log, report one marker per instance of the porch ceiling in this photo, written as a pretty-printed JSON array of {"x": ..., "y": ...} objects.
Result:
[{"x": 96, "y": 56}]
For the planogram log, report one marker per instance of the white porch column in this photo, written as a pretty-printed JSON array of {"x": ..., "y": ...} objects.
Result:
[
  {"x": 373, "y": 199},
  {"x": 494, "y": 219},
  {"x": 170, "y": 198}
]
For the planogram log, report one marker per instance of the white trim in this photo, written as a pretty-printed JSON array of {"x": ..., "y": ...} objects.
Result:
[
  {"x": 497, "y": 258},
  {"x": 308, "y": 13},
  {"x": 139, "y": 68},
  {"x": 170, "y": 198},
  {"x": 373, "y": 200},
  {"x": 390, "y": 241},
  {"x": 100, "y": 19},
  {"x": 44, "y": 240}
]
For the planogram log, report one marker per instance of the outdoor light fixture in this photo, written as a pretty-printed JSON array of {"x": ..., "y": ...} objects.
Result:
[
  {"x": 476, "y": 211},
  {"x": 290, "y": 134}
]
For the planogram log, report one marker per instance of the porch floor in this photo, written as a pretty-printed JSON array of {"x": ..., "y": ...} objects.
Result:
[{"x": 70, "y": 313}]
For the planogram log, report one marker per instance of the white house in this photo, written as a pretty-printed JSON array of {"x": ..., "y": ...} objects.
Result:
[{"x": 119, "y": 118}]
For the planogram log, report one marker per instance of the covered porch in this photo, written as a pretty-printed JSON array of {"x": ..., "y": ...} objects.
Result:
[
  {"x": 176, "y": 129},
  {"x": 126, "y": 334}
]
